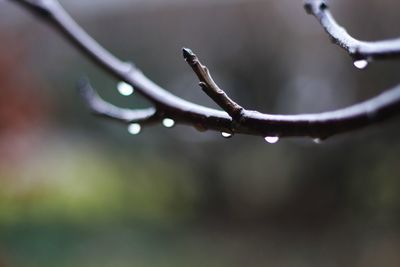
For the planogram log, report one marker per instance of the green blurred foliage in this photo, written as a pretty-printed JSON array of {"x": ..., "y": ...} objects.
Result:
[{"x": 80, "y": 185}]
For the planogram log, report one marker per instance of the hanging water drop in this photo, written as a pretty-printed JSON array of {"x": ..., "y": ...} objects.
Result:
[
  {"x": 200, "y": 127},
  {"x": 272, "y": 139},
  {"x": 317, "y": 141},
  {"x": 226, "y": 135},
  {"x": 134, "y": 128},
  {"x": 361, "y": 64},
  {"x": 125, "y": 89},
  {"x": 168, "y": 123}
]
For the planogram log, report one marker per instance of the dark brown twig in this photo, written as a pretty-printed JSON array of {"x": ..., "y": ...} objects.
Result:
[
  {"x": 234, "y": 120},
  {"x": 210, "y": 87},
  {"x": 357, "y": 49}
]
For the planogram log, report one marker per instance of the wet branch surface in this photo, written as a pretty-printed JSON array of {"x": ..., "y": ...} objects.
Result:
[
  {"x": 233, "y": 118},
  {"x": 356, "y": 48}
]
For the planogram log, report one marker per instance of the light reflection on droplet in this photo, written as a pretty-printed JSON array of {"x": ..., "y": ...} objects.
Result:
[
  {"x": 361, "y": 64},
  {"x": 134, "y": 128},
  {"x": 226, "y": 135},
  {"x": 125, "y": 89},
  {"x": 168, "y": 123},
  {"x": 317, "y": 140},
  {"x": 272, "y": 139}
]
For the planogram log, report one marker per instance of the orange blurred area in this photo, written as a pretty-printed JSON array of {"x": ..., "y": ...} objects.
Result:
[{"x": 24, "y": 107}]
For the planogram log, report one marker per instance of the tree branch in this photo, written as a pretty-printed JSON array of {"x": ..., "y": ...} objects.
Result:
[
  {"x": 210, "y": 87},
  {"x": 357, "y": 49},
  {"x": 104, "y": 109},
  {"x": 234, "y": 120}
]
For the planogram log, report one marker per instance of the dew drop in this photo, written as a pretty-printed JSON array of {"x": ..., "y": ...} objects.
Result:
[
  {"x": 134, "y": 128},
  {"x": 272, "y": 139},
  {"x": 125, "y": 89},
  {"x": 361, "y": 64},
  {"x": 200, "y": 127},
  {"x": 168, "y": 123},
  {"x": 226, "y": 135},
  {"x": 317, "y": 140}
]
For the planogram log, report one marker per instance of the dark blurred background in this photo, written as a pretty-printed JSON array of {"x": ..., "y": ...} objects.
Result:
[{"x": 76, "y": 190}]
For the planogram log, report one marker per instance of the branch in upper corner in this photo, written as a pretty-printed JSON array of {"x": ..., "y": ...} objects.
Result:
[
  {"x": 105, "y": 109},
  {"x": 356, "y": 48},
  {"x": 35, "y": 5},
  {"x": 209, "y": 86}
]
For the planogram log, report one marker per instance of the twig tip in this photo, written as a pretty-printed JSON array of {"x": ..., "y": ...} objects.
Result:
[
  {"x": 188, "y": 54},
  {"x": 315, "y": 6},
  {"x": 86, "y": 90},
  {"x": 82, "y": 82}
]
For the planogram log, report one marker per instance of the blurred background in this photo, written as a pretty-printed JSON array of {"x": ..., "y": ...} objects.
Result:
[{"x": 77, "y": 190}]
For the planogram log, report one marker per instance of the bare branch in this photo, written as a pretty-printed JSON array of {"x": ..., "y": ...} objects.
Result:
[
  {"x": 235, "y": 119},
  {"x": 105, "y": 109},
  {"x": 356, "y": 48},
  {"x": 210, "y": 87}
]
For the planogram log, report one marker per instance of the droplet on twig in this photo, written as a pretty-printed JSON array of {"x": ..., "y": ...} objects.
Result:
[
  {"x": 168, "y": 123},
  {"x": 226, "y": 135},
  {"x": 272, "y": 139},
  {"x": 134, "y": 128},
  {"x": 317, "y": 140},
  {"x": 125, "y": 89},
  {"x": 200, "y": 127},
  {"x": 361, "y": 64}
]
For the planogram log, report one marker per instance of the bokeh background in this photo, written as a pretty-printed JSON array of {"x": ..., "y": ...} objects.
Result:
[{"x": 76, "y": 190}]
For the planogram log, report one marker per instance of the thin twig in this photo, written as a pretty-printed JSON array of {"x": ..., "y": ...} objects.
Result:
[
  {"x": 167, "y": 105},
  {"x": 356, "y": 48},
  {"x": 104, "y": 109},
  {"x": 210, "y": 87}
]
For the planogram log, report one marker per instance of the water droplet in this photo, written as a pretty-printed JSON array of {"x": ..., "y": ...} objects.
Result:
[
  {"x": 272, "y": 139},
  {"x": 226, "y": 135},
  {"x": 200, "y": 127},
  {"x": 361, "y": 64},
  {"x": 317, "y": 140},
  {"x": 169, "y": 123},
  {"x": 134, "y": 128},
  {"x": 125, "y": 89}
]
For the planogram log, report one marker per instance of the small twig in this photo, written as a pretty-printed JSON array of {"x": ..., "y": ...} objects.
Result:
[
  {"x": 209, "y": 86},
  {"x": 102, "y": 108},
  {"x": 356, "y": 48}
]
